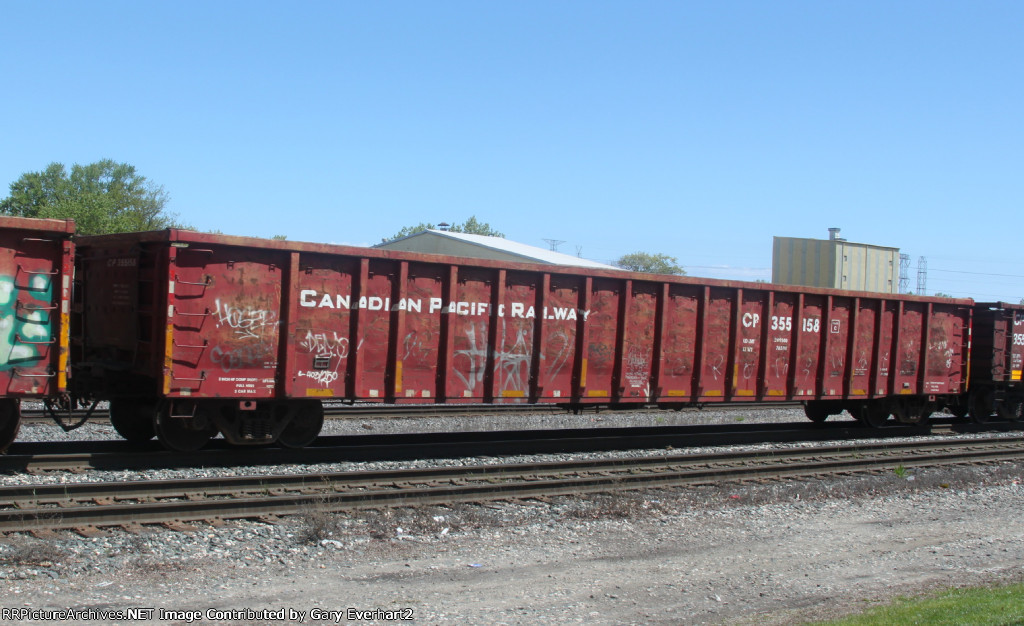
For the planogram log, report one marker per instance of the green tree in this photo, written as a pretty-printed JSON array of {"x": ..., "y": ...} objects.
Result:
[
  {"x": 939, "y": 294},
  {"x": 472, "y": 226},
  {"x": 102, "y": 197},
  {"x": 651, "y": 263}
]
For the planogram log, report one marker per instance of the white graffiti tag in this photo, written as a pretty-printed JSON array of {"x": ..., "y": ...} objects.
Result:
[
  {"x": 323, "y": 377},
  {"x": 638, "y": 367},
  {"x": 326, "y": 344},
  {"x": 247, "y": 323},
  {"x": 511, "y": 363}
]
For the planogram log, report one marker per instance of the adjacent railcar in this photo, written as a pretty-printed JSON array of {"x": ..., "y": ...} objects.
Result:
[
  {"x": 35, "y": 290},
  {"x": 189, "y": 334},
  {"x": 997, "y": 359}
]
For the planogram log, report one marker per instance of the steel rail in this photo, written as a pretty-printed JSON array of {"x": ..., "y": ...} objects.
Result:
[
  {"x": 363, "y": 411},
  {"x": 28, "y": 457},
  {"x": 281, "y": 495},
  {"x": 346, "y": 411},
  {"x": 277, "y": 483}
]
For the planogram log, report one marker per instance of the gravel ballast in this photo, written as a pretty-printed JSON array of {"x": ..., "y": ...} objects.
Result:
[{"x": 773, "y": 552}]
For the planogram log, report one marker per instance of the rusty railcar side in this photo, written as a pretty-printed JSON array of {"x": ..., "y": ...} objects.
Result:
[
  {"x": 35, "y": 295},
  {"x": 247, "y": 336}
]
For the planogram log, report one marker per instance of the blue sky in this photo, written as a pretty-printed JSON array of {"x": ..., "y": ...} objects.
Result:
[{"x": 694, "y": 129}]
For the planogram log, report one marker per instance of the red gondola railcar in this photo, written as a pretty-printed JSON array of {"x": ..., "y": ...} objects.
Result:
[
  {"x": 997, "y": 359},
  {"x": 199, "y": 333},
  {"x": 35, "y": 292}
]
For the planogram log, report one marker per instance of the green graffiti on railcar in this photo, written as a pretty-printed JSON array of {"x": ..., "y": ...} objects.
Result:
[{"x": 25, "y": 330}]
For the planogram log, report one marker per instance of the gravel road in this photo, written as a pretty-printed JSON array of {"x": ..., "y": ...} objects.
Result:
[{"x": 777, "y": 552}]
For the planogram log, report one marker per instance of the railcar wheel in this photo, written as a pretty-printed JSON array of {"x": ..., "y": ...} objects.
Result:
[
  {"x": 305, "y": 426},
  {"x": 10, "y": 423},
  {"x": 133, "y": 419},
  {"x": 981, "y": 406},
  {"x": 873, "y": 414},
  {"x": 817, "y": 412},
  {"x": 1010, "y": 410},
  {"x": 182, "y": 434},
  {"x": 959, "y": 407},
  {"x": 909, "y": 412}
]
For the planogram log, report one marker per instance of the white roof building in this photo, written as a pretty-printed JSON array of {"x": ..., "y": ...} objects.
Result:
[{"x": 484, "y": 247}]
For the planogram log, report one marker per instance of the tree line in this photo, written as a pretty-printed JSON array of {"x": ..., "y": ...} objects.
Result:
[
  {"x": 110, "y": 197},
  {"x": 102, "y": 197}
]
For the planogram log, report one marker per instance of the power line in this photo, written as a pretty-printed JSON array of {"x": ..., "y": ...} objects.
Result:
[
  {"x": 727, "y": 267},
  {"x": 942, "y": 280},
  {"x": 979, "y": 273}
]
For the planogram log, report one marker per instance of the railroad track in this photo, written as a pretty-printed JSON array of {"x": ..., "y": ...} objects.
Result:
[
  {"x": 119, "y": 455},
  {"x": 364, "y": 411},
  {"x": 345, "y": 411},
  {"x": 39, "y": 507}
]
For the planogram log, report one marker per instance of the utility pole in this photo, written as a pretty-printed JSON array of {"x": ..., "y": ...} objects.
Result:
[
  {"x": 904, "y": 273},
  {"x": 554, "y": 243},
  {"x": 922, "y": 276}
]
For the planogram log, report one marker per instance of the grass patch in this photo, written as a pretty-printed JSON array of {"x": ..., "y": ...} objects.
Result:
[
  {"x": 620, "y": 505},
  {"x": 316, "y": 524},
  {"x": 999, "y": 606},
  {"x": 21, "y": 552}
]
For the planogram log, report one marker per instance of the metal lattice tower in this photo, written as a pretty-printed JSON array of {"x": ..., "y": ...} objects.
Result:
[
  {"x": 554, "y": 243},
  {"x": 904, "y": 273},
  {"x": 922, "y": 276}
]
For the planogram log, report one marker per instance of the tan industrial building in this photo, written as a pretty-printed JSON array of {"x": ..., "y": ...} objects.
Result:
[{"x": 835, "y": 263}]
